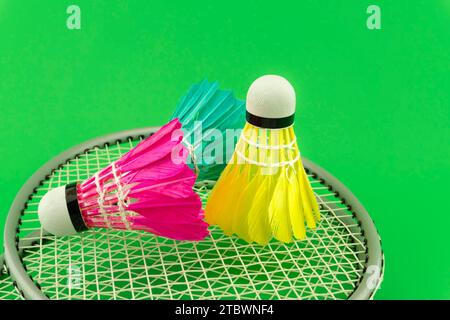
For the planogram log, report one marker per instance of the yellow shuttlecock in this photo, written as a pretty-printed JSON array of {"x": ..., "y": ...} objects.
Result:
[{"x": 264, "y": 191}]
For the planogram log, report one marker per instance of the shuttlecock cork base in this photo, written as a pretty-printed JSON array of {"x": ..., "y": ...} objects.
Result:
[
  {"x": 271, "y": 103},
  {"x": 264, "y": 191},
  {"x": 60, "y": 211},
  {"x": 150, "y": 188}
]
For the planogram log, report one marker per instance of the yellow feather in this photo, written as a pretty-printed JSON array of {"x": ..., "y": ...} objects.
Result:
[
  {"x": 243, "y": 200},
  {"x": 228, "y": 199},
  {"x": 240, "y": 177},
  {"x": 307, "y": 210},
  {"x": 214, "y": 206},
  {"x": 310, "y": 194},
  {"x": 278, "y": 208},
  {"x": 278, "y": 211},
  {"x": 244, "y": 204},
  {"x": 220, "y": 198},
  {"x": 258, "y": 223},
  {"x": 295, "y": 207},
  {"x": 305, "y": 190},
  {"x": 296, "y": 210}
]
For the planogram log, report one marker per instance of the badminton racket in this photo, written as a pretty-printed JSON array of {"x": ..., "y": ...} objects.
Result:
[{"x": 341, "y": 259}]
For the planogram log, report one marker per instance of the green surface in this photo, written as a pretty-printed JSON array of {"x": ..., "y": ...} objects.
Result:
[{"x": 374, "y": 104}]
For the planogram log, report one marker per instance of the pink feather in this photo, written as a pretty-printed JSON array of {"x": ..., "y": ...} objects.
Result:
[{"x": 152, "y": 190}]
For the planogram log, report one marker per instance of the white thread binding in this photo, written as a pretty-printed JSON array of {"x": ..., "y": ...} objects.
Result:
[
  {"x": 191, "y": 150},
  {"x": 101, "y": 200},
  {"x": 269, "y": 165},
  {"x": 267, "y": 147},
  {"x": 120, "y": 197}
]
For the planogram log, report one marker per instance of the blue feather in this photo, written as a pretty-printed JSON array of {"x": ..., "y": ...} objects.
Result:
[{"x": 215, "y": 109}]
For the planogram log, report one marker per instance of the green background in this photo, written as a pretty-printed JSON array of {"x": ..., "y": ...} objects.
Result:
[{"x": 374, "y": 105}]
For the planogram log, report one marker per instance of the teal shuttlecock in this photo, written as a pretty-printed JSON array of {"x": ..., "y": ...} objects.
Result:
[{"x": 211, "y": 122}]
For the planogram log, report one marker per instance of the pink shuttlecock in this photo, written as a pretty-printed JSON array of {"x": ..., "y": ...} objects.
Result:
[{"x": 149, "y": 188}]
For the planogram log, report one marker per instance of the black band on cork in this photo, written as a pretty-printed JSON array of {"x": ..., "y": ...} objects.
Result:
[
  {"x": 74, "y": 208},
  {"x": 270, "y": 123}
]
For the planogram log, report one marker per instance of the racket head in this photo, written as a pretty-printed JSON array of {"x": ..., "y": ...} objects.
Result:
[
  {"x": 342, "y": 259},
  {"x": 8, "y": 289}
]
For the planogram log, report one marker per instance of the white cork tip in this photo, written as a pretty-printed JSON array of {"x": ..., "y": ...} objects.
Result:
[
  {"x": 53, "y": 213},
  {"x": 271, "y": 96}
]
